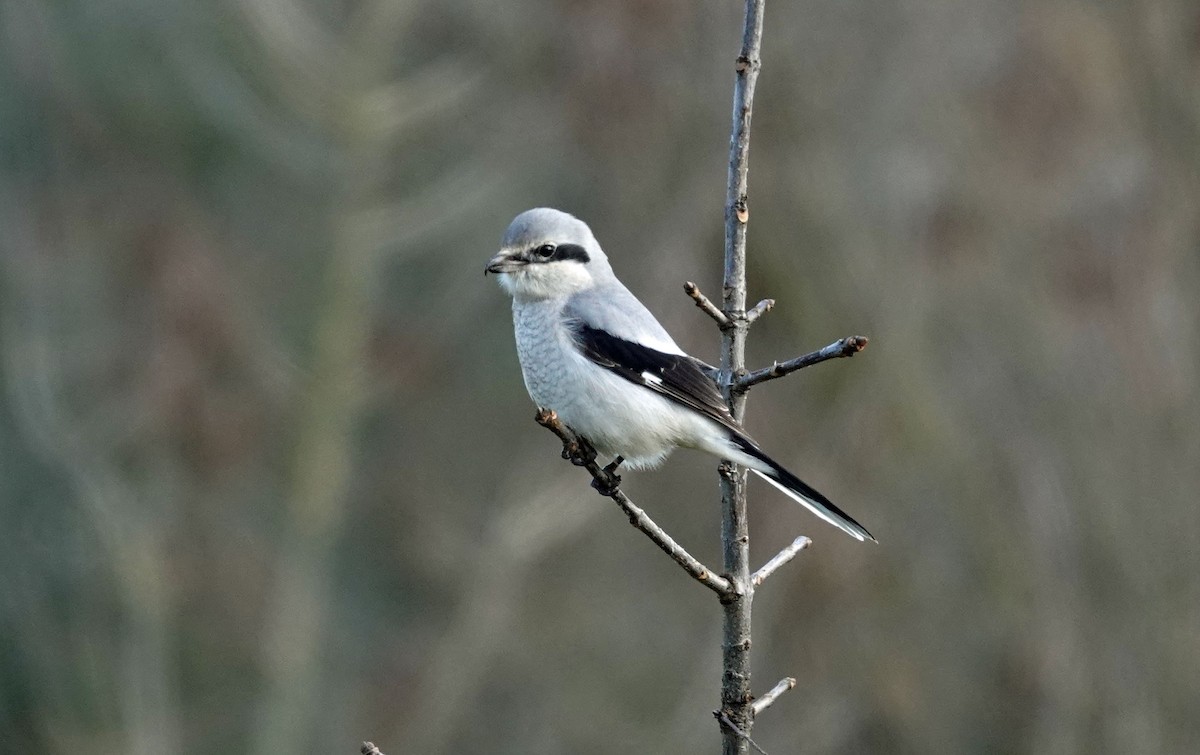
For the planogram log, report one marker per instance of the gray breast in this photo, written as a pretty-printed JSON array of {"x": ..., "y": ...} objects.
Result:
[{"x": 541, "y": 343}]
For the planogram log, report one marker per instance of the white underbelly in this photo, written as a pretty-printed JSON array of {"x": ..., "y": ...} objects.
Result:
[{"x": 617, "y": 416}]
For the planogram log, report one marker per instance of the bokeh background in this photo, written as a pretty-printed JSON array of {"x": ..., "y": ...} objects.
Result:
[{"x": 269, "y": 480}]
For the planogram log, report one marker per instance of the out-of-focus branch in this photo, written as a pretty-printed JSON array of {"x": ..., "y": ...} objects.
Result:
[
  {"x": 523, "y": 528},
  {"x": 297, "y": 617},
  {"x": 606, "y": 482},
  {"x": 71, "y": 435},
  {"x": 846, "y": 347},
  {"x": 765, "y": 701},
  {"x": 780, "y": 558}
]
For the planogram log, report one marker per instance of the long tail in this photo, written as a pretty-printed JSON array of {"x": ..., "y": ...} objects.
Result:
[{"x": 765, "y": 467}]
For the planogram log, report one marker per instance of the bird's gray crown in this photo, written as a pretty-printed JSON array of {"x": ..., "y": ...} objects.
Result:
[{"x": 545, "y": 225}]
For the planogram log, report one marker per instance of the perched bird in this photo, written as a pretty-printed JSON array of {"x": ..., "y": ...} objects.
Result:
[{"x": 592, "y": 353}]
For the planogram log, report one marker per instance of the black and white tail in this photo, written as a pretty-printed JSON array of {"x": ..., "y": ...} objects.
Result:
[{"x": 795, "y": 488}]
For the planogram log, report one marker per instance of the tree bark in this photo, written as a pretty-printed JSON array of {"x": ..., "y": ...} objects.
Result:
[{"x": 736, "y": 697}]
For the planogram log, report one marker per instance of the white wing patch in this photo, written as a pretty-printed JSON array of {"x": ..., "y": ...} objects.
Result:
[{"x": 650, "y": 377}]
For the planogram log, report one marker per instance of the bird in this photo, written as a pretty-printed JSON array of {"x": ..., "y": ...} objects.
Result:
[{"x": 594, "y": 354}]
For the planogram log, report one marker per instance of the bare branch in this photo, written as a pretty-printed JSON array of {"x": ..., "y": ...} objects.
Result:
[
  {"x": 847, "y": 347},
  {"x": 701, "y": 573},
  {"x": 765, "y": 701},
  {"x": 606, "y": 482},
  {"x": 705, "y": 304},
  {"x": 780, "y": 558},
  {"x": 759, "y": 310},
  {"x": 735, "y": 530}
]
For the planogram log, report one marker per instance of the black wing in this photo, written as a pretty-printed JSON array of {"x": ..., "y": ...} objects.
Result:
[{"x": 679, "y": 377}]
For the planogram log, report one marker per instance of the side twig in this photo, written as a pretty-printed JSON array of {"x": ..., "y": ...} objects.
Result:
[
  {"x": 759, "y": 310},
  {"x": 847, "y": 347},
  {"x": 704, "y": 303},
  {"x": 765, "y": 701},
  {"x": 780, "y": 558},
  {"x": 606, "y": 482}
]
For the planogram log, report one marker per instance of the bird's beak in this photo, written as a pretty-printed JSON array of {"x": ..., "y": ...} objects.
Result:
[{"x": 504, "y": 262}]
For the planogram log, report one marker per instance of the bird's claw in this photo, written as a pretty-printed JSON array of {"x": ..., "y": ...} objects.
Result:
[
  {"x": 579, "y": 452},
  {"x": 574, "y": 454},
  {"x": 608, "y": 486}
]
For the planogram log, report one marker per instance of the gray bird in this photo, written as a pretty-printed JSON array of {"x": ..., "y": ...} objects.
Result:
[{"x": 592, "y": 353}]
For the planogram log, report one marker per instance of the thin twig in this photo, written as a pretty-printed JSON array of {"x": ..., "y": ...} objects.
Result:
[
  {"x": 721, "y": 716},
  {"x": 705, "y": 304},
  {"x": 765, "y": 701},
  {"x": 369, "y": 748},
  {"x": 701, "y": 573},
  {"x": 759, "y": 310},
  {"x": 847, "y": 347},
  {"x": 780, "y": 558},
  {"x": 607, "y": 483}
]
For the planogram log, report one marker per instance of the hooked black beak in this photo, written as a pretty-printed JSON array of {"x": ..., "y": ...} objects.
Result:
[{"x": 503, "y": 262}]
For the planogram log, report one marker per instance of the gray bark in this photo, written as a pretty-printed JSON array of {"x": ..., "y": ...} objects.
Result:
[{"x": 737, "y": 713}]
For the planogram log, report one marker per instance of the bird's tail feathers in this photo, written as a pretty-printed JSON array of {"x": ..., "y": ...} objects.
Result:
[{"x": 746, "y": 453}]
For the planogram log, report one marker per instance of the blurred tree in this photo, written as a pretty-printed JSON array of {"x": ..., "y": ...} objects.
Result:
[{"x": 1006, "y": 197}]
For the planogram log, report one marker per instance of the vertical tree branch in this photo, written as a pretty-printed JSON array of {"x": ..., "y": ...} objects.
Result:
[
  {"x": 297, "y": 617},
  {"x": 322, "y": 466},
  {"x": 736, "y": 697}
]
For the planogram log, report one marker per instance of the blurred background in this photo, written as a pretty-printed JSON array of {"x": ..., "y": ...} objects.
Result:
[{"x": 270, "y": 482}]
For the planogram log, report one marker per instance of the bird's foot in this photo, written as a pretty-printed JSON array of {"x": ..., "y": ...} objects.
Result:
[
  {"x": 570, "y": 452},
  {"x": 609, "y": 484},
  {"x": 579, "y": 452}
]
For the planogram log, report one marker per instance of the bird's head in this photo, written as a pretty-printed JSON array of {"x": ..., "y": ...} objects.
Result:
[{"x": 547, "y": 253}]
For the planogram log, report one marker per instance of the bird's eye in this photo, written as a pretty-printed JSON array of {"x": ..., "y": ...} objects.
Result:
[{"x": 545, "y": 251}]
